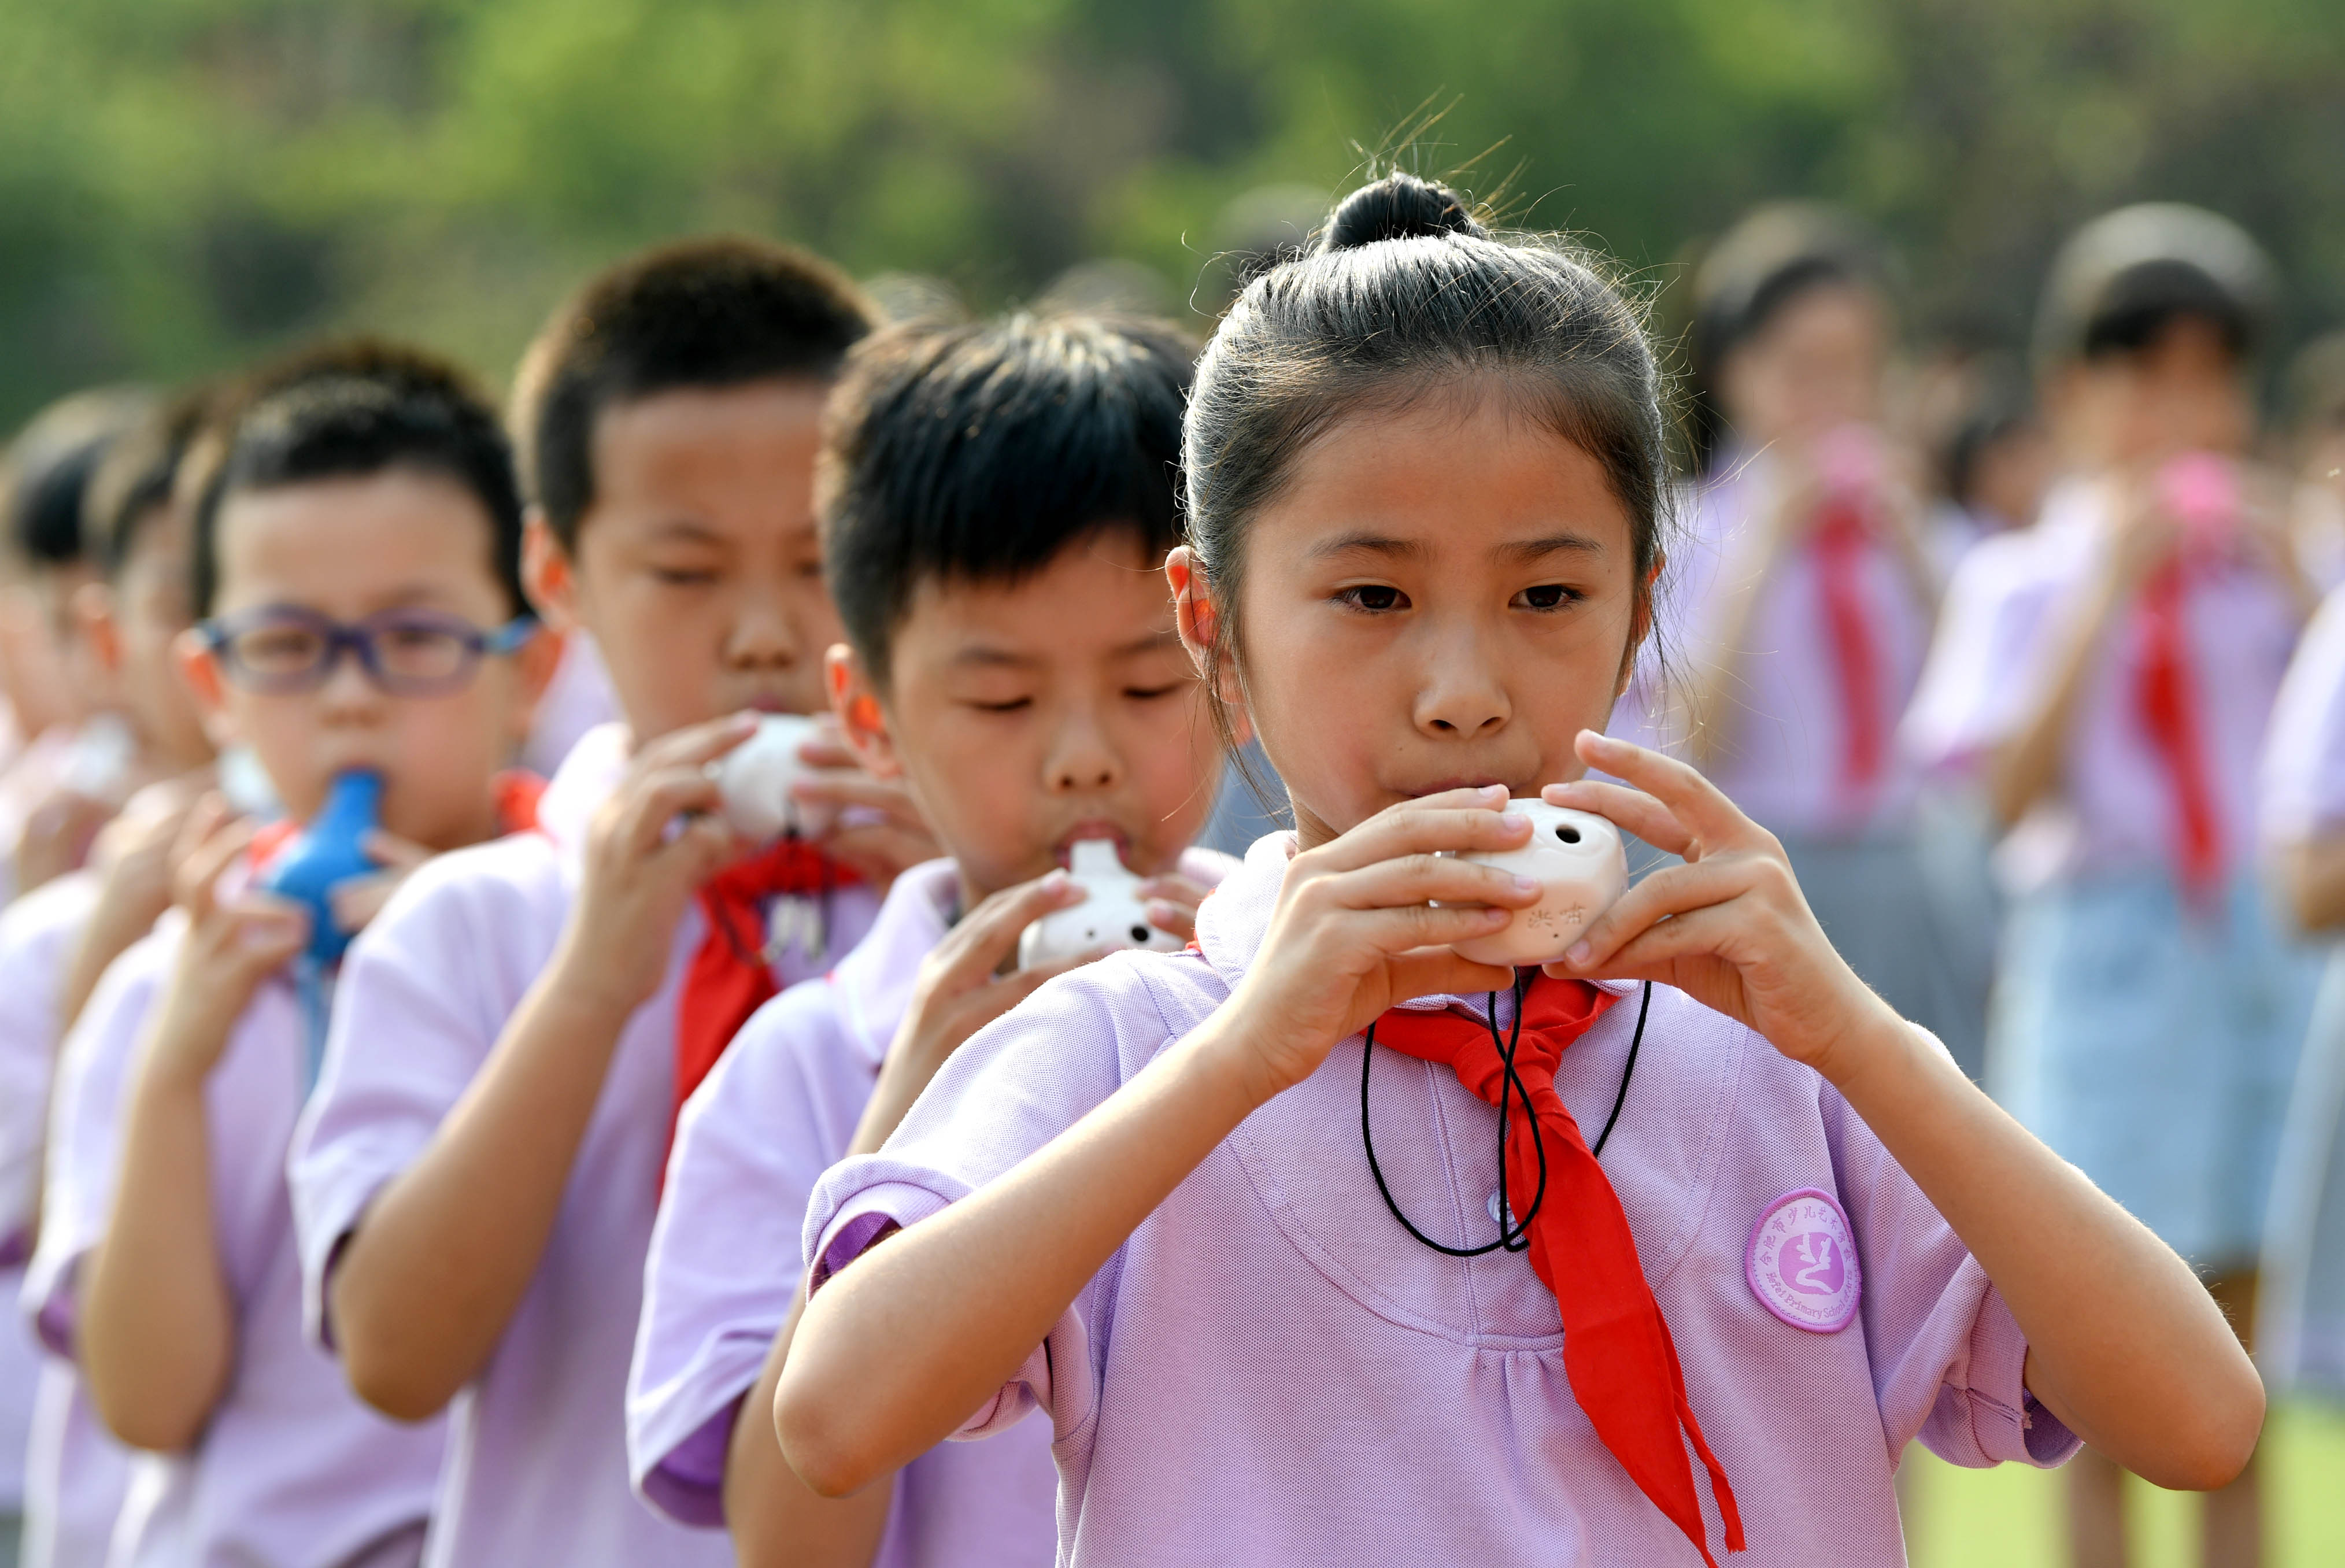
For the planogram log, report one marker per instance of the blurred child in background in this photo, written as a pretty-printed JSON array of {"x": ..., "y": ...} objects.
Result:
[
  {"x": 2300, "y": 1324},
  {"x": 357, "y": 559},
  {"x": 1805, "y": 590},
  {"x": 2108, "y": 676},
  {"x": 56, "y": 940},
  {"x": 997, "y": 503},
  {"x": 70, "y": 775},
  {"x": 476, "y": 1180}
]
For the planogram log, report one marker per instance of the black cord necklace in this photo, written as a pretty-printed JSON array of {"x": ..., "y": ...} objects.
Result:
[{"x": 1514, "y": 1236}]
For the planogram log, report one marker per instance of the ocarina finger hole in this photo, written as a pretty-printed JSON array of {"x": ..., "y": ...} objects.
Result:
[
  {"x": 1567, "y": 832},
  {"x": 1140, "y": 934}
]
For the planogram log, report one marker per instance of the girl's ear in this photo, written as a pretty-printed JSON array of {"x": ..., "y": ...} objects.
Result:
[
  {"x": 862, "y": 721},
  {"x": 1641, "y": 626},
  {"x": 1199, "y": 619},
  {"x": 547, "y": 572}
]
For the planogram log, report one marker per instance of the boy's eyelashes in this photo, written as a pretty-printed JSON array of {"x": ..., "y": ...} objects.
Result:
[{"x": 684, "y": 577}]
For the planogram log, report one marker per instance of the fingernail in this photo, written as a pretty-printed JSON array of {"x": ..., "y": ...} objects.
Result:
[
  {"x": 1493, "y": 791},
  {"x": 1578, "y": 953},
  {"x": 1514, "y": 820},
  {"x": 1526, "y": 885}
]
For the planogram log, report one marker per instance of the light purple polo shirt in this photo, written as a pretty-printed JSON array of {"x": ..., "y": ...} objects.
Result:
[
  {"x": 292, "y": 1470},
  {"x": 537, "y": 1471},
  {"x": 1272, "y": 1371},
  {"x": 778, "y": 1111},
  {"x": 1780, "y": 761},
  {"x": 2114, "y": 810},
  {"x": 71, "y": 1473},
  {"x": 2303, "y": 780}
]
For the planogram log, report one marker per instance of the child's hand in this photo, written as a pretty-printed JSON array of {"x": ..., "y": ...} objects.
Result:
[
  {"x": 1730, "y": 928},
  {"x": 359, "y": 899},
  {"x": 961, "y": 989},
  {"x": 886, "y": 835},
  {"x": 135, "y": 856},
  {"x": 58, "y": 835},
  {"x": 232, "y": 944},
  {"x": 660, "y": 835},
  {"x": 1173, "y": 900},
  {"x": 1354, "y": 931}
]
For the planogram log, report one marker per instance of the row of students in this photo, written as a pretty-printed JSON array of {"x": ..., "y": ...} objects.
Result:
[
  {"x": 2100, "y": 681},
  {"x": 1126, "y": 1193}
]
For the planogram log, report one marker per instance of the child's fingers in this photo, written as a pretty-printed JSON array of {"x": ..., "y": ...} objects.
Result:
[
  {"x": 825, "y": 751},
  {"x": 1392, "y": 930},
  {"x": 1670, "y": 893},
  {"x": 658, "y": 799},
  {"x": 1421, "y": 879},
  {"x": 392, "y": 851},
  {"x": 880, "y": 851},
  {"x": 696, "y": 745},
  {"x": 1180, "y": 920},
  {"x": 1653, "y": 954},
  {"x": 1692, "y": 800},
  {"x": 992, "y": 928},
  {"x": 266, "y": 930},
  {"x": 1453, "y": 819},
  {"x": 192, "y": 886},
  {"x": 1631, "y": 810},
  {"x": 356, "y": 901},
  {"x": 1439, "y": 971}
]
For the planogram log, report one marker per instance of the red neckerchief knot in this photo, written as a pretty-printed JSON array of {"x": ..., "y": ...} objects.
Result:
[
  {"x": 732, "y": 976},
  {"x": 1617, "y": 1348}
]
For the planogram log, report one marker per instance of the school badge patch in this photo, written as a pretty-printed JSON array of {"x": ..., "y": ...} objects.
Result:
[{"x": 1802, "y": 1262}]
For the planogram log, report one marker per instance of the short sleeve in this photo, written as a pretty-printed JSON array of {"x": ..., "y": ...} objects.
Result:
[
  {"x": 424, "y": 994},
  {"x": 84, "y": 1143},
  {"x": 37, "y": 934},
  {"x": 724, "y": 1260},
  {"x": 1948, "y": 1355},
  {"x": 1016, "y": 1086},
  {"x": 1979, "y": 678},
  {"x": 2303, "y": 780}
]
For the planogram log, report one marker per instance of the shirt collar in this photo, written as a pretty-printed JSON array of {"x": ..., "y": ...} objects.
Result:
[
  {"x": 872, "y": 985},
  {"x": 586, "y": 778}
]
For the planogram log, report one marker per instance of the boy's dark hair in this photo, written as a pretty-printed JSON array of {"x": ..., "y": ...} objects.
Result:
[
  {"x": 351, "y": 410},
  {"x": 2123, "y": 278},
  {"x": 1407, "y": 298},
  {"x": 48, "y": 470},
  {"x": 978, "y": 453},
  {"x": 135, "y": 482},
  {"x": 703, "y": 313},
  {"x": 1776, "y": 255}
]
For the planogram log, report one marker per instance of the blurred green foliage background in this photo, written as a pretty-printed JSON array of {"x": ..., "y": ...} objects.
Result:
[{"x": 184, "y": 181}]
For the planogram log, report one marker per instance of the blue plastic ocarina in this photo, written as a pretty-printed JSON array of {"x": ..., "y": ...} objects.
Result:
[{"x": 326, "y": 853}]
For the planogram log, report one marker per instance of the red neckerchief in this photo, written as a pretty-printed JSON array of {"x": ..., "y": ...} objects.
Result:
[
  {"x": 1617, "y": 1348},
  {"x": 1844, "y": 543},
  {"x": 731, "y": 975},
  {"x": 2166, "y": 699}
]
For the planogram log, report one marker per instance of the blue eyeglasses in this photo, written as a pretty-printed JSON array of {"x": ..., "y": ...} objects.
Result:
[{"x": 283, "y": 648}]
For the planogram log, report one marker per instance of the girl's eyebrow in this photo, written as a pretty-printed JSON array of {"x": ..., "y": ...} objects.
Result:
[
  {"x": 1361, "y": 542},
  {"x": 1524, "y": 550}
]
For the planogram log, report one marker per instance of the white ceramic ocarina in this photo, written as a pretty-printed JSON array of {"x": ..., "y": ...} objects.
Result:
[
  {"x": 1112, "y": 915},
  {"x": 755, "y": 777},
  {"x": 1578, "y": 861}
]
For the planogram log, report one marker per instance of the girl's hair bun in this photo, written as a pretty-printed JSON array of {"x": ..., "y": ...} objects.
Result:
[{"x": 1397, "y": 206}]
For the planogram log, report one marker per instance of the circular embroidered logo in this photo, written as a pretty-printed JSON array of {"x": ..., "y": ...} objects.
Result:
[{"x": 1802, "y": 1262}]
